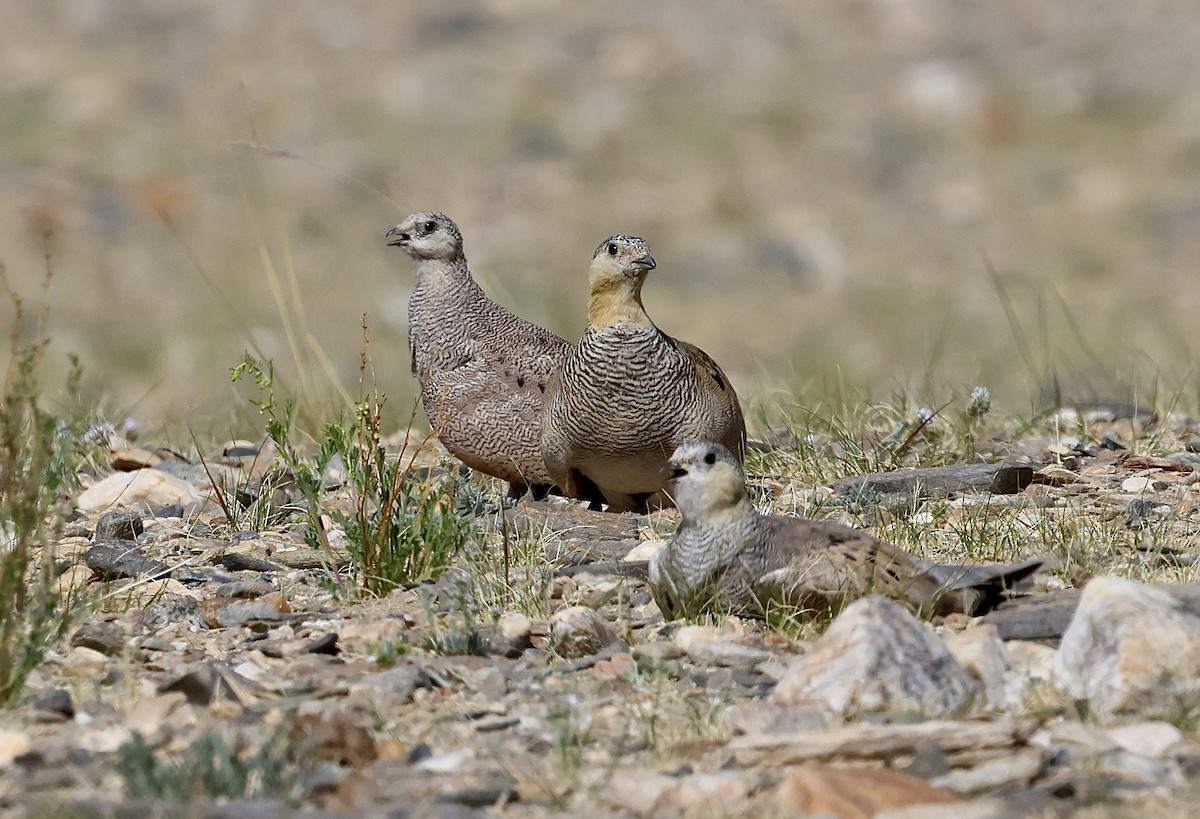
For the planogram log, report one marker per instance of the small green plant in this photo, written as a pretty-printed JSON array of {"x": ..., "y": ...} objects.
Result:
[
  {"x": 209, "y": 767},
  {"x": 401, "y": 527},
  {"x": 457, "y": 633},
  {"x": 389, "y": 652},
  {"x": 39, "y": 456}
]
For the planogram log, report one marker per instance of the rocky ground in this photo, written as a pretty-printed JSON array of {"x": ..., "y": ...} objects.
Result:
[{"x": 549, "y": 683}]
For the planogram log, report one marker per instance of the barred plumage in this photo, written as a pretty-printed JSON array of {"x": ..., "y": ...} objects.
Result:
[
  {"x": 727, "y": 557},
  {"x": 482, "y": 370},
  {"x": 628, "y": 393}
]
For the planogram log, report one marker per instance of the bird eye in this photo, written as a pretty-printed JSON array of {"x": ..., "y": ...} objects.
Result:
[
  {"x": 430, "y": 226},
  {"x": 612, "y": 249},
  {"x": 710, "y": 458}
]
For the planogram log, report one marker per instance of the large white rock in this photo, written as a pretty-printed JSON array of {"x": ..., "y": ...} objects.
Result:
[
  {"x": 144, "y": 489},
  {"x": 877, "y": 657},
  {"x": 1130, "y": 649}
]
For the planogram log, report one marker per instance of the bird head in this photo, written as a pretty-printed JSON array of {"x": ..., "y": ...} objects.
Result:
[
  {"x": 618, "y": 269},
  {"x": 427, "y": 235},
  {"x": 705, "y": 478}
]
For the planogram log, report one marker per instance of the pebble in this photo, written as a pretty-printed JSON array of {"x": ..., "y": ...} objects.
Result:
[
  {"x": 55, "y": 701},
  {"x": 106, "y": 638},
  {"x": 876, "y": 657},
  {"x": 512, "y": 636},
  {"x": 118, "y": 525},
  {"x": 1141, "y": 484},
  {"x": 578, "y": 631},
  {"x": 849, "y": 793}
]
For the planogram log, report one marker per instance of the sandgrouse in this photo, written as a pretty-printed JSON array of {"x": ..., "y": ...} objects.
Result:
[
  {"x": 628, "y": 393},
  {"x": 727, "y": 557},
  {"x": 482, "y": 370}
]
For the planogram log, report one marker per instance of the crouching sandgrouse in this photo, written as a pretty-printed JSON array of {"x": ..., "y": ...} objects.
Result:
[
  {"x": 727, "y": 557},
  {"x": 482, "y": 369},
  {"x": 628, "y": 393}
]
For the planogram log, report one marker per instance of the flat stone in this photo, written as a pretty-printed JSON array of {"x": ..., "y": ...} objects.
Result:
[
  {"x": 765, "y": 717},
  {"x": 726, "y": 653},
  {"x": 121, "y": 558},
  {"x": 875, "y": 656},
  {"x": 401, "y": 680},
  {"x": 146, "y": 489},
  {"x": 852, "y": 793},
  {"x": 1009, "y": 771},
  {"x": 906, "y": 485},
  {"x": 243, "y": 562},
  {"x": 1153, "y": 739},
  {"x": 248, "y": 589}
]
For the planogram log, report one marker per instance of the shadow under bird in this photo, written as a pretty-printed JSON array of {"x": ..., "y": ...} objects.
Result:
[
  {"x": 483, "y": 370},
  {"x": 726, "y": 556},
  {"x": 628, "y": 393}
]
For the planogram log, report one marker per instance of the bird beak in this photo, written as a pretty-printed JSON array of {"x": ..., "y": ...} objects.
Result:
[
  {"x": 674, "y": 472},
  {"x": 645, "y": 263},
  {"x": 396, "y": 236}
]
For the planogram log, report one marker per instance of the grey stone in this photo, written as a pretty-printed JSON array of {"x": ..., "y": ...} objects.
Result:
[
  {"x": 512, "y": 635},
  {"x": 245, "y": 612},
  {"x": 725, "y": 653},
  {"x": 121, "y": 558},
  {"x": 401, "y": 680},
  {"x": 579, "y": 631},
  {"x": 118, "y": 525},
  {"x": 877, "y": 657},
  {"x": 107, "y": 638}
]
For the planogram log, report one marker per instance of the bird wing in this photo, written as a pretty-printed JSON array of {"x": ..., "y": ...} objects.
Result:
[
  {"x": 716, "y": 384},
  {"x": 820, "y": 564}
]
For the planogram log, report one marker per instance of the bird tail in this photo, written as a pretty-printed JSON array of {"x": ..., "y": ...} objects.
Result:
[{"x": 976, "y": 590}]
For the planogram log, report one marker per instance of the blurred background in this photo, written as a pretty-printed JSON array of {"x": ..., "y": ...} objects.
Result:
[{"x": 875, "y": 195}]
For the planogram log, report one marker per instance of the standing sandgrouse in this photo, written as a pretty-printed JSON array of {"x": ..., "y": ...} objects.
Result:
[
  {"x": 628, "y": 393},
  {"x": 726, "y": 556},
  {"x": 483, "y": 371}
]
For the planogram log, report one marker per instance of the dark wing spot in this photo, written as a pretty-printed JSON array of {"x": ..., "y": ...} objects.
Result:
[
  {"x": 520, "y": 381},
  {"x": 541, "y": 386}
]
